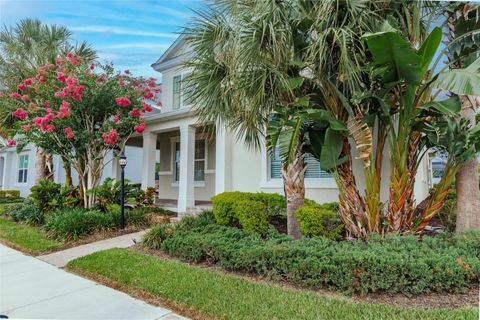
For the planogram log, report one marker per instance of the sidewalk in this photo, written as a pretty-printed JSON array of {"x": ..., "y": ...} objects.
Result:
[
  {"x": 34, "y": 289},
  {"x": 61, "y": 258}
]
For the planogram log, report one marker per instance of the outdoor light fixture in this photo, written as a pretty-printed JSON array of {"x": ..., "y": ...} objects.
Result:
[{"x": 122, "y": 161}]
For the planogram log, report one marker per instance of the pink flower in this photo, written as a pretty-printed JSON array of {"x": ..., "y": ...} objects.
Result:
[
  {"x": 26, "y": 127},
  {"x": 16, "y": 95},
  {"x": 59, "y": 61},
  {"x": 64, "y": 105},
  {"x": 100, "y": 78},
  {"x": 46, "y": 104},
  {"x": 71, "y": 81},
  {"x": 92, "y": 66},
  {"x": 139, "y": 128},
  {"x": 28, "y": 82},
  {"x": 25, "y": 97},
  {"x": 11, "y": 143},
  {"x": 147, "y": 107},
  {"x": 20, "y": 114},
  {"x": 159, "y": 103},
  {"x": 111, "y": 137},
  {"x": 151, "y": 82},
  {"x": 135, "y": 112},
  {"x": 32, "y": 106},
  {"x": 127, "y": 71},
  {"x": 61, "y": 77},
  {"x": 69, "y": 133},
  {"x": 116, "y": 119},
  {"x": 64, "y": 111},
  {"x": 22, "y": 86},
  {"x": 123, "y": 101},
  {"x": 148, "y": 95},
  {"x": 50, "y": 127}
]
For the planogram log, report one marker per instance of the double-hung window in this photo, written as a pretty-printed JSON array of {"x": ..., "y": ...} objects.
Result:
[
  {"x": 22, "y": 168},
  {"x": 181, "y": 96},
  {"x": 199, "y": 163}
]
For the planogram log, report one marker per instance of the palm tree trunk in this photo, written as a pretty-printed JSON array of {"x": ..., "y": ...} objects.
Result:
[
  {"x": 294, "y": 187},
  {"x": 40, "y": 165},
  {"x": 466, "y": 183}
]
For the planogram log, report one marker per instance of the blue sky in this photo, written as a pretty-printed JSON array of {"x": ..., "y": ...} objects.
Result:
[{"x": 130, "y": 33}]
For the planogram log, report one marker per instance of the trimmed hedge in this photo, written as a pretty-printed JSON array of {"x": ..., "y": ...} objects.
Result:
[
  {"x": 391, "y": 264},
  {"x": 226, "y": 208},
  {"x": 252, "y": 216},
  {"x": 9, "y": 194},
  {"x": 320, "y": 220}
]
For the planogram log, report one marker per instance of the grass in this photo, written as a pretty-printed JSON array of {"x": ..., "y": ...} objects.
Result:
[
  {"x": 219, "y": 296},
  {"x": 2, "y": 208},
  {"x": 26, "y": 238}
]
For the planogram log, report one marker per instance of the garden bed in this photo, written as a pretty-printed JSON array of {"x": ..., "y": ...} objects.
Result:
[{"x": 202, "y": 294}]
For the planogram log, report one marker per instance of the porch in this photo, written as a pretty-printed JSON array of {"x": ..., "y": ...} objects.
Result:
[{"x": 186, "y": 166}]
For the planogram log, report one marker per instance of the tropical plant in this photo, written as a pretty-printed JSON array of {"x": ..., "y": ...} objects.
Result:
[
  {"x": 25, "y": 47},
  {"x": 251, "y": 72},
  {"x": 108, "y": 192},
  {"x": 81, "y": 112},
  {"x": 463, "y": 23}
]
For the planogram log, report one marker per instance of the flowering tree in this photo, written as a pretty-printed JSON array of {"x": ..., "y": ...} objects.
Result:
[{"x": 80, "y": 112}]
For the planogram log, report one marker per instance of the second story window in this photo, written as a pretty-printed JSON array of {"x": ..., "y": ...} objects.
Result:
[{"x": 177, "y": 90}]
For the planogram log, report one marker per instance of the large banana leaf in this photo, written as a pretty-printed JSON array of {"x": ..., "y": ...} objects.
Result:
[
  {"x": 331, "y": 150},
  {"x": 450, "y": 106},
  {"x": 464, "y": 81},
  {"x": 390, "y": 50},
  {"x": 429, "y": 48}
]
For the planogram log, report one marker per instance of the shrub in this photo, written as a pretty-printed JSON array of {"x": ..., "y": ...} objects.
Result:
[
  {"x": 73, "y": 223},
  {"x": 448, "y": 212},
  {"x": 26, "y": 212},
  {"x": 108, "y": 192},
  {"x": 144, "y": 198},
  {"x": 224, "y": 205},
  {"x": 391, "y": 264},
  {"x": 48, "y": 195},
  {"x": 320, "y": 220},
  {"x": 252, "y": 216},
  {"x": 9, "y": 194},
  {"x": 133, "y": 217},
  {"x": 154, "y": 237}
]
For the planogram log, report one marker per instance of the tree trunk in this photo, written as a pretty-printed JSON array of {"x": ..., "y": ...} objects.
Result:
[
  {"x": 68, "y": 173},
  {"x": 466, "y": 184},
  {"x": 294, "y": 187},
  {"x": 40, "y": 165}
]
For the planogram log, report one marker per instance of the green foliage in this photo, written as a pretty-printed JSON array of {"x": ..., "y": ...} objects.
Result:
[
  {"x": 320, "y": 220},
  {"x": 144, "y": 198},
  {"x": 391, "y": 264},
  {"x": 26, "y": 212},
  {"x": 9, "y": 194},
  {"x": 72, "y": 223},
  {"x": 133, "y": 217},
  {"x": 448, "y": 212},
  {"x": 154, "y": 237},
  {"x": 252, "y": 216},
  {"x": 223, "y": 296},
  {"x": 224, "y": 205},
  {"x": 48, "y": 195},
  {"x": 108, "y": 192}
]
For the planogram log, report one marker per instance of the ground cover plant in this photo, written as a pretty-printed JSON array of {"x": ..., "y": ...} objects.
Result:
[
  {"x": 406, "y": 264},
  {"x": 203, "y": 294}
]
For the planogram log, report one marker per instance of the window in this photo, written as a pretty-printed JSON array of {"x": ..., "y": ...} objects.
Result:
[
  {"x": 186, "y": 95},
  {"x": 313, "y": 167},
  {"x": 177, "y": 88},
  {"x": 22, "y": 168},
  {"x": 199, "y": 165}
]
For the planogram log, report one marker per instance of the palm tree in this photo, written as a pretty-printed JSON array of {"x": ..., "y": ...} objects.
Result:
[
  {"x": 462, "y": 19},
  {"x": 25, "y": 47},
  {"x": 268, "y": 69}
]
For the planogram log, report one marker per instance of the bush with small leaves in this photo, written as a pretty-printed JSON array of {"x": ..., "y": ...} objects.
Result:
[
  {"x": 154, "y": 238},
  {"x": 320, "y": 220},
  {"x": 252, "y": 216}
]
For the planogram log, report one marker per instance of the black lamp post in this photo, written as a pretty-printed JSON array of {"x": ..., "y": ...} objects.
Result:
[{"x": 123, "y": 162}]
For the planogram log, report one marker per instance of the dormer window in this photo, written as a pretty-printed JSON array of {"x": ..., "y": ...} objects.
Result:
[{"x": 180, "y": 98}]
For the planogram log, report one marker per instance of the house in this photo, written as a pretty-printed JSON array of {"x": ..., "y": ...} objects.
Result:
[
  {"x": 17, "y": 170},
  {"x": 192, "y": 167}
]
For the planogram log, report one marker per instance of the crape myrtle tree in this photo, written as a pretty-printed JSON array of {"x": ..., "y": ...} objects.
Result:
[
  {"x": 24, "y": 47},
  {"x": 81, "y": 112}
]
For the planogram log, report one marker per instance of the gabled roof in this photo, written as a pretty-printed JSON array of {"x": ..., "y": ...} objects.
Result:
[{"x": 170, "y": 54}]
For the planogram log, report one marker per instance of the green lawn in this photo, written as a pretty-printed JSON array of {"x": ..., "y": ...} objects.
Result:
[
  {"x": 2, "y": 208},
  {"x": 26, "y": 238},
  {"x": 227, "y": 297}
]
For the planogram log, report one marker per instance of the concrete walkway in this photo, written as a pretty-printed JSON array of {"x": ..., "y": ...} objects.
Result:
[
  {"x": 33, "y": 289},
  {"x": 61, "y": 258}
]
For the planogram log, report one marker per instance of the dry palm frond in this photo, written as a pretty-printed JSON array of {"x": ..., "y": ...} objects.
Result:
[{"x": 362, "y": 135}]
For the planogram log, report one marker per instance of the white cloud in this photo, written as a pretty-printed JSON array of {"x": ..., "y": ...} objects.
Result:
[
  {"x": 123, "y": 31},
  {"x": 142, "y": 45}
]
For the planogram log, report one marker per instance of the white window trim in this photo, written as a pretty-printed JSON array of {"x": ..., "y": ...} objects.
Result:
[
  {"x": 18, "y": 169},
  {"x": 173, "y": 141},
  {"x": 310, "y": 183},
  {"x": 182, "y": 75}
]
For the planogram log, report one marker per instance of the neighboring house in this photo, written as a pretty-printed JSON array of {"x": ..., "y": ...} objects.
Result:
[
  {"x": 17, "y": 170},
  {"x": 193, "y": 167}
]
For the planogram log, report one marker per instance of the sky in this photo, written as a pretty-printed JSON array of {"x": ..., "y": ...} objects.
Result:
[{"x": 132, "y": 34}]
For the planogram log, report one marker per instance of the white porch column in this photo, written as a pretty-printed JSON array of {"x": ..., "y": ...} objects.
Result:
[
  {"x": 223, "y": 160},
  {"x": 148, "y": 163},
  {"x": 186, "y": 191}
]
